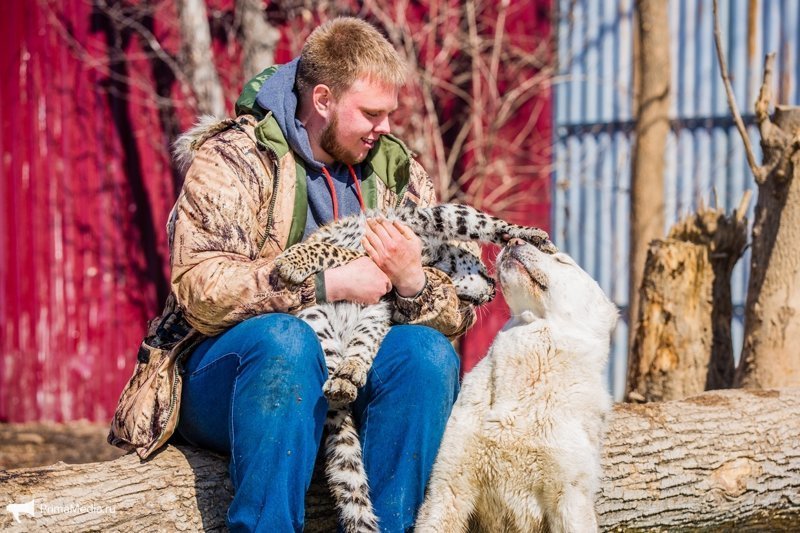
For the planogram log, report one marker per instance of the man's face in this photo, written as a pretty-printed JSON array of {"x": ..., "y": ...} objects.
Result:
[{"x": 358, "y": 118}]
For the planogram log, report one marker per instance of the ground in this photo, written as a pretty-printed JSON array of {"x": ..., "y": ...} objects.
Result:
[{"x": 45, "y": 443}]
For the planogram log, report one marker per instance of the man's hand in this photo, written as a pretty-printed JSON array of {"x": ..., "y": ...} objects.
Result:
[
  {"x": 359, "y": 281},
  {"x": 397, "y": 251}
]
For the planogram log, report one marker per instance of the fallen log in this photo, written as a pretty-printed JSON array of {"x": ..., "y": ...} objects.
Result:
[{"x": 720, "y": 460}]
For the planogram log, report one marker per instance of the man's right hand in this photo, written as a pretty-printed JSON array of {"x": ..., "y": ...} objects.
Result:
[{"x": 359, "y": 281}]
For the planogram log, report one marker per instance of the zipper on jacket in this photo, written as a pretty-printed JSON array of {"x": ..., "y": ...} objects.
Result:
[
  {"x": 400, "y": 197},
  {"x": 404, "y": 189},
  {"x": 173, "y": 397},
  {"x": 173, "y": 400},
  {"x": 275, "y": 181}
]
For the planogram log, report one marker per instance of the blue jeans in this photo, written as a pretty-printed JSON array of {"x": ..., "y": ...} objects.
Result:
[{"x": 255, "y": 392}]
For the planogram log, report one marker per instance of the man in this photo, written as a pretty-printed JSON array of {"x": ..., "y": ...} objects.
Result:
[{"x": 311, "y": 144}]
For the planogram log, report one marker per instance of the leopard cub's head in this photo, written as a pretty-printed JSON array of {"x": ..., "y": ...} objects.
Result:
[
  {"x": 553, "y": 287},
  {"x": 462, "y": 262}
]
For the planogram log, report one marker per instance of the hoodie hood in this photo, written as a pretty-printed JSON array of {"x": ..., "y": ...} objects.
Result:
[{"x": 278, "y": 95}]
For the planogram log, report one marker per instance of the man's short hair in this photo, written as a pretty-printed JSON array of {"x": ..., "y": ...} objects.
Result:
[{"x": 342, "y": 50}]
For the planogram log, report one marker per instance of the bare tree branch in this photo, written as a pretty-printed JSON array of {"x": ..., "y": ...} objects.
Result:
[
  {"x": 259, "y": 37},
  {"x": 471, "y": 93},
  {"x": 758, "y": 171},
  {"x": 147, "y": 36},
  {"x": 765, "y": 92},
  {"x": 196, "y": 39},
  {"x": 150, "y": 99}
]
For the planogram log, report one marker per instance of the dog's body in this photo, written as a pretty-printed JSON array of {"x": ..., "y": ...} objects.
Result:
[{"x": 521, "y": 451}]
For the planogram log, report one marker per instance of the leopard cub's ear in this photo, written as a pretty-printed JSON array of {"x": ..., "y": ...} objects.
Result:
[{"x": 548, "y": 247}]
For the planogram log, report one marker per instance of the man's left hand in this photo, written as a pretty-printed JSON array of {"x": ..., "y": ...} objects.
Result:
[{"x": 397, "y": 250}]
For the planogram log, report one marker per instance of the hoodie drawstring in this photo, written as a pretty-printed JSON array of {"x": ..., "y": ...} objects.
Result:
[{"x": 332, "y": 189}]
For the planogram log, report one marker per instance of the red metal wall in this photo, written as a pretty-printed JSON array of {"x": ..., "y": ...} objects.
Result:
[
  {"x": 76, "y": 288},
  {"x": 85, "y": 190},
  {"x": 527, "y": 28}
]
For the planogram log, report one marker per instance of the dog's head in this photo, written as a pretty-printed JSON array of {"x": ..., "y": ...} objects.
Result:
[{"x": 553, "y": 287}]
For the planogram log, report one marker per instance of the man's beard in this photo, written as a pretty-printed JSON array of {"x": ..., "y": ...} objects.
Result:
[{"x": 332, "y": 146}]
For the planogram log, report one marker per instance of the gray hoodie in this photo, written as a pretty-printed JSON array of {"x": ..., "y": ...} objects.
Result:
[{"x": 278, "y": 95}]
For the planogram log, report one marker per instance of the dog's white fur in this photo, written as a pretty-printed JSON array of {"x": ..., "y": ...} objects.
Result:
[{"x": 521, "y": 451}]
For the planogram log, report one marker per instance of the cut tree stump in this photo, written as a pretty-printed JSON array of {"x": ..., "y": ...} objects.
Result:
[
  {"x": 723, "y": 460},
  {"x": 682, "y": 343}
]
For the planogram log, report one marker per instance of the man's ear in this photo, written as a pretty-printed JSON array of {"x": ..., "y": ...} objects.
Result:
[{"x": 322, "y": 98}]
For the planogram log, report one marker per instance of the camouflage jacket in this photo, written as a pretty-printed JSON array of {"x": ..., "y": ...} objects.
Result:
[{"x": 243, "y": 201}]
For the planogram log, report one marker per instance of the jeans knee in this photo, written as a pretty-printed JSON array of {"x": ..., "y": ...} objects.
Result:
[
  {"x": 278, "y": 336},
  {"x": 428, "y": 354},
  {"x": 275, "y": 325}
]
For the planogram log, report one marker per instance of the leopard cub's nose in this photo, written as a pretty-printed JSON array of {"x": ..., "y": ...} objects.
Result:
[{"x": 515, "y": 242}]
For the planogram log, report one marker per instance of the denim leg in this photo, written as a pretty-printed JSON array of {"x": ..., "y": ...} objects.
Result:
[
  {"x": 402, "y": 412},
  {"x": 255, "y": 392}
]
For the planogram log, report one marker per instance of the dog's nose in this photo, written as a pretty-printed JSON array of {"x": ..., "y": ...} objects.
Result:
[{"x": 515, "y": 242}]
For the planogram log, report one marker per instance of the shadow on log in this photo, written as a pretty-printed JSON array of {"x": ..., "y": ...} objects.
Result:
[{"x": 718, "y": 461}]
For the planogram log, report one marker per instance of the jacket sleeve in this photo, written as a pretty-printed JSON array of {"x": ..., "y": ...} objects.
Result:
[
  {"x": 218, "y": 228},
  {"x": 437, "y": 305}
]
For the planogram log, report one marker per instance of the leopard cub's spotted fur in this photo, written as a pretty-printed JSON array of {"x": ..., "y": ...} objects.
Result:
[{"x": 350, "y": 334}]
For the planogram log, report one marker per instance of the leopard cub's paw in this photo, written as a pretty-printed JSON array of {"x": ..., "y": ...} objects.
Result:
[
  {"x": 291, "y": 269},
  {"x": 339, "y": 391},
  {"x": 353, "y": 370},
  {"x": 535, "y": 236}
]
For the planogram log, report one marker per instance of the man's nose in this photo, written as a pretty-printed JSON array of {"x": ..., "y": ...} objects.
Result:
[{"x": 383, "y": 127}]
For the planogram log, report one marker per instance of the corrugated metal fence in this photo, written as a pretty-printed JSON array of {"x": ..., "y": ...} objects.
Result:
[{"x": 704, "y": 160}]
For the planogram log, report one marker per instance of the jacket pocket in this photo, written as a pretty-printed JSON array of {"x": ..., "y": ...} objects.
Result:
[{"x": 147, "y": 412}]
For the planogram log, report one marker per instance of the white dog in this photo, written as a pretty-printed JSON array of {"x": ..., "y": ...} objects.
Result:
[{"x": 521, "y": 451}]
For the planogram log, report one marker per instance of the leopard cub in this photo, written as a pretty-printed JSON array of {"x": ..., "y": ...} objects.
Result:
[{"x": 350, "y": 333}]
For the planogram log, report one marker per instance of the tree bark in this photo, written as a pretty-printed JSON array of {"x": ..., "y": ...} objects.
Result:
[
  {"x": 709, "y": 462},
  {"x": 770, "y": 354},
  {"x": 682, "y": 343},
  {"x": 723, "y": 460},
  {"x": 652, "y": 127},
  {"x": 259, "y": 38},
  {"x": 200, "y": 68}
]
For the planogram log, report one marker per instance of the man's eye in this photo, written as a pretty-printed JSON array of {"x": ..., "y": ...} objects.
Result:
[{"x": 371, "y": 114}]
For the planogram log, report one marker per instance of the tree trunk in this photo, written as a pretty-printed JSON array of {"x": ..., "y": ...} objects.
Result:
[
  {"x": 710, "y": 462},
  {"x": 199, "y": 60},
  {"x": 682, "y": 342},
  {"x": 259, "y": 38},
  {"x": 770, "y": 355},
  {"x": 652, "y": 127}
]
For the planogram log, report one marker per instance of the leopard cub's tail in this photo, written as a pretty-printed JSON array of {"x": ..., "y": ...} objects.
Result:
[{"x": 347, "y": 479}]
